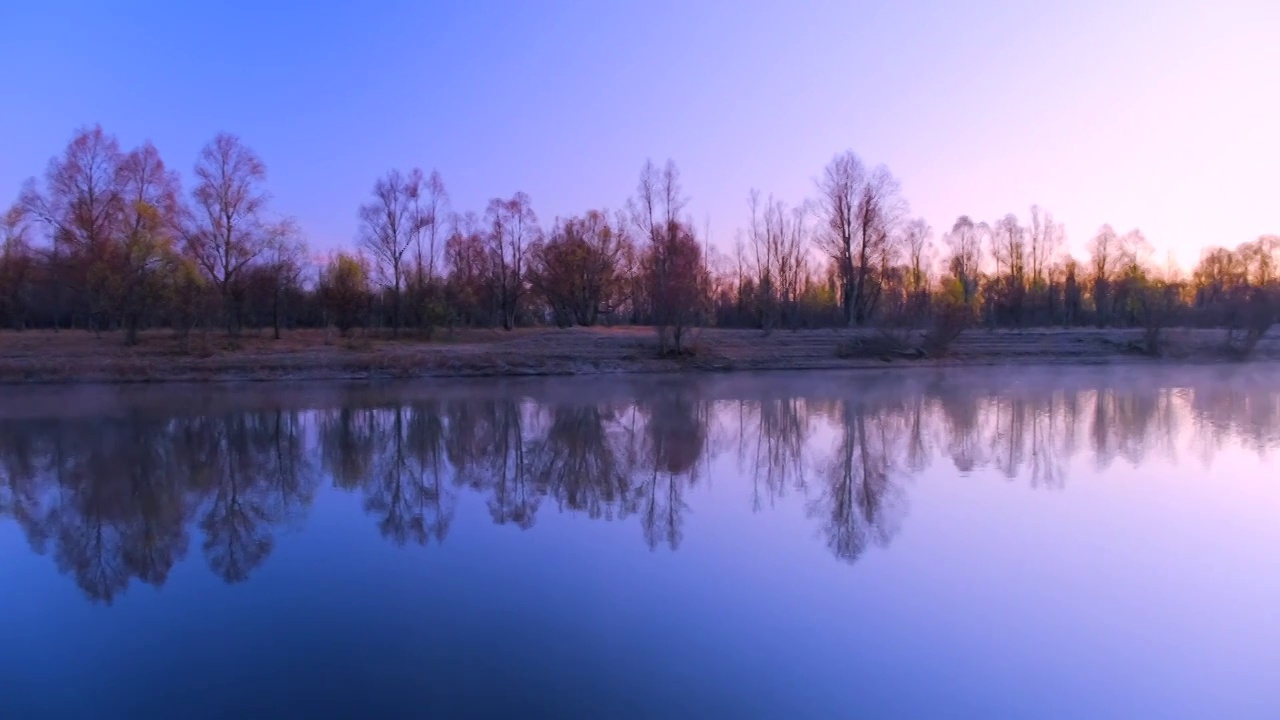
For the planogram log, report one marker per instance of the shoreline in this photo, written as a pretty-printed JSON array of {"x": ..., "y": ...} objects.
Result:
[{"x": 79, "y": 357}]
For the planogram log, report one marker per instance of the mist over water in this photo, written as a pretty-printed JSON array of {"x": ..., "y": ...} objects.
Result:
[{"x": 979, "y": 543}]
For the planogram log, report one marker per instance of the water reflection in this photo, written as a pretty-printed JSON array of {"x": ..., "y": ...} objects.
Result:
[{"x": 117, "y": 499}]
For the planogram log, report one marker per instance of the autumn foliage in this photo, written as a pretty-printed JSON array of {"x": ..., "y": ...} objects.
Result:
[{"x": 344, "y": 290}]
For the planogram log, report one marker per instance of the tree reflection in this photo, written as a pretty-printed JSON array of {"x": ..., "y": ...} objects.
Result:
[
  {"x": 861, "y": 504},
  {"x": 1248, "y": 412},
  {"x": 772, "y": 451},
  {"x": 117, "y": 500},
  {"x": 961, "y": 414},
  {"x": 675, "y": 430},
  {"x": 114, "y": 500},
  {"x": 395, "y": 458},
  {"x": 118, "y": 510},
  {"x": 349, "y": 439},
  {"x": 433, "y": 503},
  {"x": 257, "y": 476},
  {"x": 23, "y": 461},
  {"x": 512, "y": 497},
  {"x": 579, "y": 463}
]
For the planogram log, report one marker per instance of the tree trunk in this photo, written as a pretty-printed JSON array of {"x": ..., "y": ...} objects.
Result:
[
  {"x": 131, "y": 329},
  {"x": 275, "y": 314},
  {"x": 395, "y": 303},
  {"x": 227, "y": 311}
]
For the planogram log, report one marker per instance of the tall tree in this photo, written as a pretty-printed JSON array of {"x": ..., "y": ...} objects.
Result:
[
  {"x": 576, "y": 268},
  {"x": 1045, "y": 238},
  {"x": 1009, "y": 250},
  {"x": 18, "y": 264},
  {"x": 839, "y": 187},
  {"x": 430, "y": 212},
  {"x": 1133, "y": 274},
  {"x": 1262, "y": 260},
  {"x": 672, "y": 267},
  {"x": 344, "y": 290},
  {"x": 468, "y": 289},
  {"x": 512, "y": 228},
  {"x": 676, "y": 278},
  {"x": 81, "y": 206},
  {"x": 431, "y": 208},
  {"x": 286, "y": 264},
  {"x": 1104, "y": 250},
  {"x": 965, "y": 241},
  {"x": 762, "y": 260},
  {"x": 861, "y": 212},
  {"x": 1220, "y": 271},
  {"x": 787, "y": 231},
  {"x": 229, "y": 229},
  {"x": 777, "y": 236},
  {"x": 917, "y": 239},
  {"x": 151, "y": 223},
  {"x": 389, "y": 225}
]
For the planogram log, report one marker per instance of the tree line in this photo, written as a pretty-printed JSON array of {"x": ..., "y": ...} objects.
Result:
[{"x": 108, "y": 240}]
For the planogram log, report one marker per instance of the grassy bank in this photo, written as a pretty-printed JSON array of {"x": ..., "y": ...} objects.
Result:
[{"x": 77, "y": 356}]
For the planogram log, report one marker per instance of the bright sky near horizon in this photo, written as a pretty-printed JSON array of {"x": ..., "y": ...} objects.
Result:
[{"x": 1160, "y": 115}]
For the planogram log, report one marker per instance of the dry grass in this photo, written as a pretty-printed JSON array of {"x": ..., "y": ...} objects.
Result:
[
  {"x": 882, "y": 345},
  {"x": 77, "y": 356}
]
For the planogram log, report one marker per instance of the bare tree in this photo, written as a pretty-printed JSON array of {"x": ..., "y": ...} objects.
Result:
[
  {"x": 512, "y": 228},
  {"x": 18, "y": 264},
  {"x": 229, "y": 230},
  {"x": 1103, "y": 251},
  {"x": 151, "y": 217},
  {"x": 861, "y": 211},
  {"x": 576, "y": 268},
  {"x": 432, "y": 214},
  {"x": 287, "y": 264},
  {"x": 1135, "y": 253},
  {"x": 674, "y": 272},
  {"x": 430, "y": 211},
  {"x": 917, "y": 242},
  {"x": 762, "y": 259},
  {"x": 1009, "y": 250},
  {"x": 388, "y": 226},
  {"x": 469, "y": 289},
  {"x": 150, "y": 214},
  {"x": 676, "y": 278},
  {"x": 788, "y": 232},
  {"x": 840, "y": 186},
  {"x": 81, "y": 207},
  {"x": 776, "y": 257},
  {"x": 1045, "y": 238},
  {"x": 1262, "y": 258},
  {"x": 659, "y": 200},
  {"x": 113, "y": 218},
  {"x": 965, "y": 241}
]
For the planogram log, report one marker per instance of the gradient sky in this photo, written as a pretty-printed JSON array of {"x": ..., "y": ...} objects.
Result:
[{"x": 1141, "y": 113}]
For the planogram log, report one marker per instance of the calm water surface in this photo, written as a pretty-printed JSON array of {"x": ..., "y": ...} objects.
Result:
[{"x": 976, "y": 544}]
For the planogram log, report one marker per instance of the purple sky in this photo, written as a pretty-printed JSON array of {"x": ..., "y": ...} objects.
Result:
[{"x": 1158, "y": 115}]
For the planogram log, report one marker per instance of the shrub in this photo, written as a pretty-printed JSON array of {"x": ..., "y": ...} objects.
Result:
[
  {"x": 1249, "y": 324},
  {"x": 344, "y": 290},
  {"x": 951, "y": 320}
]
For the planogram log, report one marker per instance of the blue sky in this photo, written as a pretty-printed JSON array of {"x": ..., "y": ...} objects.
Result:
[{"x": 1158, "y": 115}]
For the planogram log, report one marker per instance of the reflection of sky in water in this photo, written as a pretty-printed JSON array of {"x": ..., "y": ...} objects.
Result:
[{"x": 992, "y": 544}]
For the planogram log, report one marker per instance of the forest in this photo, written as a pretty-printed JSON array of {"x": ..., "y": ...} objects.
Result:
[{"x": 108, "y": 240}]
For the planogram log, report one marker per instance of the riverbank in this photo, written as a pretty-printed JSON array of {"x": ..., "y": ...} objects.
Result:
[{"x": 82, "y": 357}]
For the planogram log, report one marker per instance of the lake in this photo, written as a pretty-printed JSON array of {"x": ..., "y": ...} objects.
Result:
[{"x": 1092, "y": 543}]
